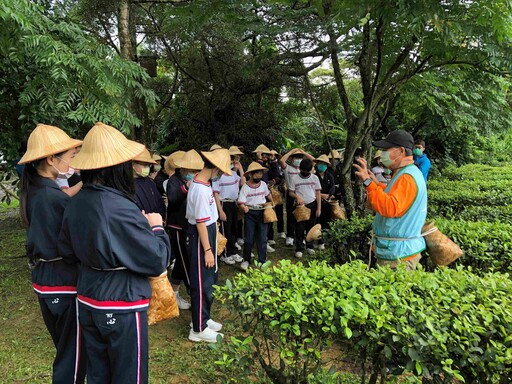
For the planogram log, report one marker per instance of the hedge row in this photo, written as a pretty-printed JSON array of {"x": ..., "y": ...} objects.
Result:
[{"x": 436, "y": 326}]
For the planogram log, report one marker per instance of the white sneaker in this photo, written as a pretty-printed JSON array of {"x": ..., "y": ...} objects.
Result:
[
  {"x": 321, "y": 247},
  {"x": 238, "y": 246},
  {"x": 228, "y": 260},
  {"x": 240, "y": 242},
  {"x": 244, "y": 266},
  {"x": 213, "y": 325},
  {"x": 270, "y": 249},
  {"x": 310, "y": 251},
  {"x": 271, "y": 242},
  {"x": 289, "y": 241},
  {"x": 282, "y": 235},
  {"x": 298, "y": 255},
  {"x": 208, "y": 335},
  {"x": 252, "y": 255},
  {"x": 237, "y": 258},
  {"x": 182, "y": 303}
]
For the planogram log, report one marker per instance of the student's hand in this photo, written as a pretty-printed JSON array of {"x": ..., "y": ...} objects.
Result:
[
  {"x": 237, "y": 166},
  {"x": 299, "y": 200},
  {"x": 209, "y": 260},
  {"x": 246, "y": 209},
  {"x": 318, "y": 212},
  {"x": 325, "y": 196},
  {"x": 222, "y": 216},
  {"x": 153, "y": 218},
  {"x": 188, "y": 184}
]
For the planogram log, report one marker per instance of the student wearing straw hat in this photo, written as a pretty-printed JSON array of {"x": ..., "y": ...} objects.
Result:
[
  {"x": 170, "y": 167},
  {"x": 118, "y": 247},
  {"x": 147, "y": 195},
  {"x": 202, "y": 217},
  {"x": 42, "y": 205},
  {"x": 305, "y": 188},
  {"x": 290, "y": 170},
  {"x": 327, "y": 192},
  {"x": 252, "y": 196},
  {"x": 225, "y": 190},
  {"x": 275, "y": 179},
  {"x": 188, "y": 164}
]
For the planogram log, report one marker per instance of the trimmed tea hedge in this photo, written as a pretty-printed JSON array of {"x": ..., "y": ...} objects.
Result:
[{"x": 436, "y": 326}]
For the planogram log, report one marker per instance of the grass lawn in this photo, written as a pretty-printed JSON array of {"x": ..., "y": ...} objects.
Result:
[{"x": 26, "y": 350}]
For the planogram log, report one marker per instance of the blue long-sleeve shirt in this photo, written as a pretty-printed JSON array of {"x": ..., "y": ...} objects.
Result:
[{"x": 423, "y": 163}]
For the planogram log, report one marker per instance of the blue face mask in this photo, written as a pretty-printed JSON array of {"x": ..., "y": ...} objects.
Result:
[
  {"x": 321, "y": 167},
  {"x": 189, "y": 176}
]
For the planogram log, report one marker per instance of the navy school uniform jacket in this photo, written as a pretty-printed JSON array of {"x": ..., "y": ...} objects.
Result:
[
  {"x": 177, "y": 203},
  {"x": 148, "y": 197},
  {"x": 51, "y": 276},
  {"x": 118, "y": 250},
  {"x": 327, "y": 183}
]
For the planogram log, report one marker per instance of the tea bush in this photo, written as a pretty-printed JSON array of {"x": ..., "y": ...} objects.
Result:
[{"x": 435, "y": 326}]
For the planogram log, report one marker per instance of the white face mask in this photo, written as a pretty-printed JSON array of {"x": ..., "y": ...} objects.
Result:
[
  {"x": 69, "y": 172},
  {"x": 296, "y": 162}
]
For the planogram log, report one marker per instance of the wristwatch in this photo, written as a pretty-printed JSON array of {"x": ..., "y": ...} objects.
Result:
[{"x": 367, "y": 182}]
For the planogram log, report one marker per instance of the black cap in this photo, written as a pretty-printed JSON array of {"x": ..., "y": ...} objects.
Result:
[{"x": 398, "y": 138}]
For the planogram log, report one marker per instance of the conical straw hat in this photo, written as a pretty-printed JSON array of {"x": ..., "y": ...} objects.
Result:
[
  {"x": 274, "y": 152},
  {"x": 169, "y": 164},
  {"x": 157, "y": 157},
  {"x": 315, "y": 233},
  {"x": 220, "y": 158},
  {"x": 235, "y": 151},
  {"x": 189, "y": 160},
  {"x": 214, "y": 147},
  {"x": 378, "y": 154},
  {"x": 103, "y": 147},
  {"x": 323, "y": 159},
  {"x": 262, "y": 148},
  {"x": 144, "y": 157},
  {"x": 255, "y": 167},
  {"x": 47, "y": 140},
  {"x": 334, "y": 154}
]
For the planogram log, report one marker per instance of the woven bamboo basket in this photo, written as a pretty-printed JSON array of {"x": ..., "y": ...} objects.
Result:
[
  {"x": 221, "y": 242},
  {"x": 277, "y": 197},
  {"x": 302, "y": 213},
  {"x": 441, "y": 249},
  {"x": 162, "y": 305},
  {"x": 269, "y": 215},
  {"x": 337, "y": 213},
  {"x": 314, "y": 233}
]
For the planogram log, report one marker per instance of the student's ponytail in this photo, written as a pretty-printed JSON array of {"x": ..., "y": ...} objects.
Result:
[{"x": 28, "y": 179}]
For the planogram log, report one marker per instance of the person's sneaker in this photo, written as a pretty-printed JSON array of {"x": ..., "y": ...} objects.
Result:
[
  {"x": 238, "y": 246},
  {"x": 213, "y": 325},
  {"x": 237, "y": 258},
  {"x": 228, "y": 260},
  {"x": 321, "y": 247},
  {"x": 208, "y": 335},
  {"x": 244, "y": 266},
  {"x": 270, "y": 249},
  {"x": 182, "y": 303},
  {"x": 282, "y": 235},
  {"x": 240, "y": 242},
  {"x": 310, "y": 251},
  {"x": 271, "y": 242},
  {"x": 289, "y": 241},
  {"x": 298, "y": 255},
  {"x": 252, "y": 255}
]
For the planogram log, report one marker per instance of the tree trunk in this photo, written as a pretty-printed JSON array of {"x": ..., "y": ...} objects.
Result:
[{"x": 127, "y": 48}]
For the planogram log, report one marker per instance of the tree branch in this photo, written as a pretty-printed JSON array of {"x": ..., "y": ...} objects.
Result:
[{"x": 365, "y": 64}]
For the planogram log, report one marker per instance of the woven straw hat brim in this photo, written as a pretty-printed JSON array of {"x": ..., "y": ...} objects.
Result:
[
  {"x": 189, "y": 160},
  {"x": 214, "y": 147},
  {"x": 255, "y": 167},
  {"x": 103, "y": 147},
  {"x": 274, "y": 152},
  {"x": 263, "y": 149},
  {"x": 323, "y": 159},
  {"x": 220, "y": 158},
  {"x": 157, "y": 157},
  {"x": 47, "y": 140},
  {"x": 234, "y": 151},
  {"x": 144, "y": 157},
  {"x": 169, "y": 161},
  {"x": 334, "y": 154}
]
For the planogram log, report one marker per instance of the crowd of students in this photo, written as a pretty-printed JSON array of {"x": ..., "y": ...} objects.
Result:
[{"x": 93, "y": 243}]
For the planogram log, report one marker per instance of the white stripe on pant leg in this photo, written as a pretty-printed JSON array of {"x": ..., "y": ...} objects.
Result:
[
  {"x": 77, "y": 351},
  {"x": 182, "y": 258},
  {"x": 137, "y": 321}
]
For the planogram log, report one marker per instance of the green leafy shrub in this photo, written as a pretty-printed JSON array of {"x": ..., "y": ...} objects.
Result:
[
  {"x": 349, "y": 239},
  {"x": 435, "y": 326}
]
